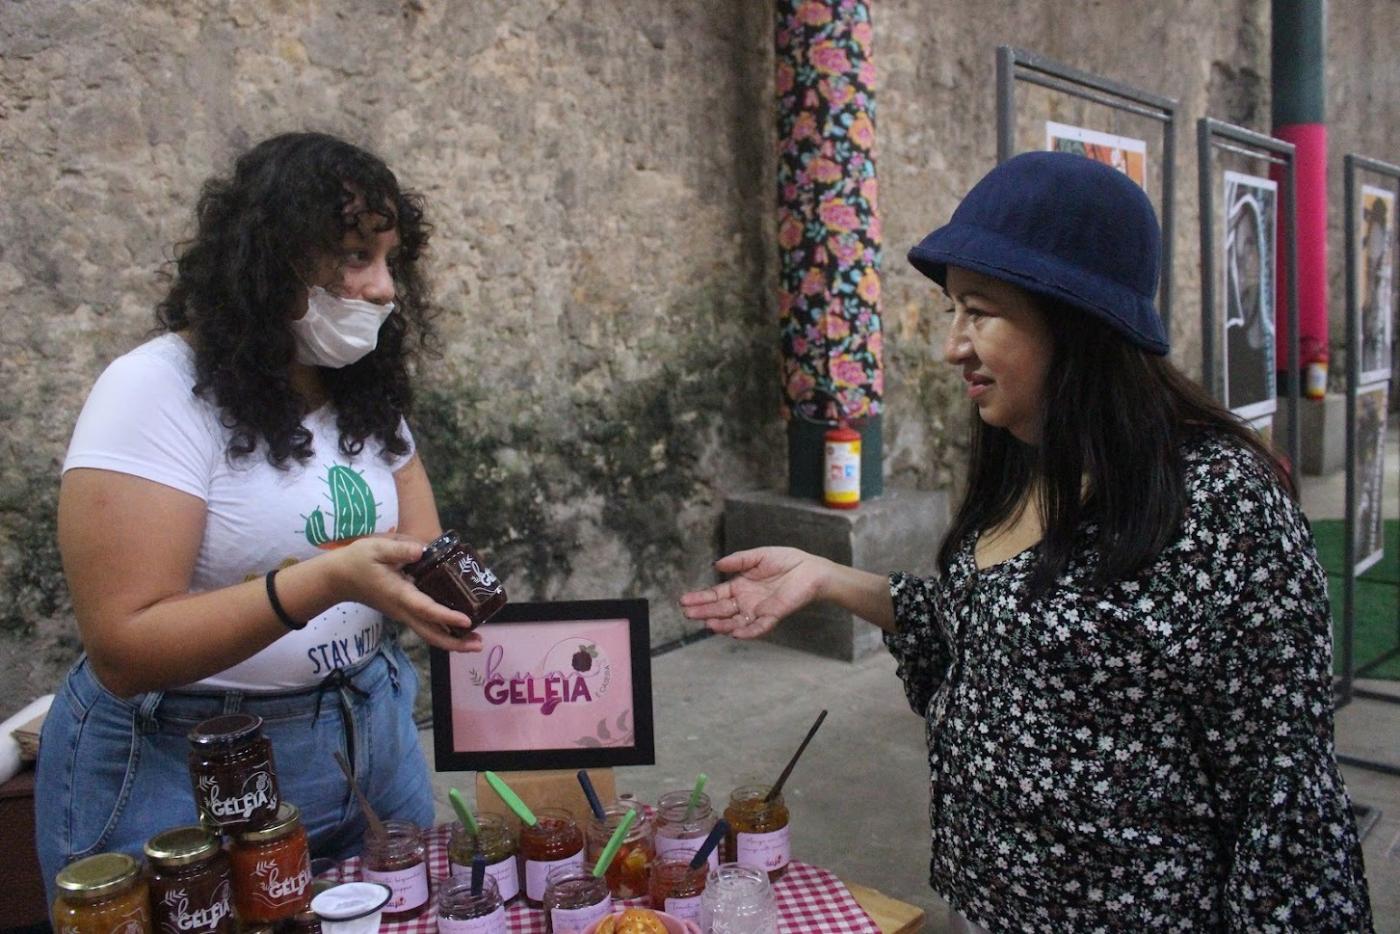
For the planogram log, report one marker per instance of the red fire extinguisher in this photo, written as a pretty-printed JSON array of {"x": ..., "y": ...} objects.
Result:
[{"x": 841, "y": 469}]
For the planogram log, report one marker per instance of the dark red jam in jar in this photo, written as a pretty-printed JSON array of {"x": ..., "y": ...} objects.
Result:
[
  {"x": 453, "y": 574},
  {"x": 191, "y": 883},
  {"x": 234, "y": 777}
]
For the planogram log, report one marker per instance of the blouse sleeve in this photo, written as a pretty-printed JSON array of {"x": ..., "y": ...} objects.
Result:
[
  {"x": 1258, "y": 679},
  {"x": 918, "y": 645}
]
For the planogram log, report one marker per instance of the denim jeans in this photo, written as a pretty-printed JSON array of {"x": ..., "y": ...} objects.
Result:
[{"x": 112, "y": 772}]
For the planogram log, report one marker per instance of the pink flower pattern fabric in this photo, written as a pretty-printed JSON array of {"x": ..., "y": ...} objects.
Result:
[{"x": 828, "y": 225}]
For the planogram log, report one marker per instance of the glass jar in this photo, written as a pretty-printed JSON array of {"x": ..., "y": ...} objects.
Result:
[
  {"x": 627, "y": 873},
  {"x": 271, "y": 869},
  {"x": 574, "y": 899},
  {"x": 675, "y": 887},
  {"x": 191, "y": 883},
  {"x": 554, "y": 840},
  {"x": 461, "y": 912},
  {"x": 101, "y": 894},
  {"x": 233, "y": 774},
  {"x": 674, "y": 832},
  {"x": 453, "y": 574},
  {"x": 398, "y": 859},
  {"x": 738, "y": 900},
  {"x": 496, "y": 842},
  {"x": 303, "y": 922},
  {"x": 758, "y": 831}
]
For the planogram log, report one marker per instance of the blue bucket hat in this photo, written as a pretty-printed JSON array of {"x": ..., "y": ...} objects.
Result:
[{"x": 1065, "y": 226}]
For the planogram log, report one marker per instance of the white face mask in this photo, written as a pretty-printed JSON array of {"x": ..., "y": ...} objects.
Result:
[{"x": 335, "y": 331}]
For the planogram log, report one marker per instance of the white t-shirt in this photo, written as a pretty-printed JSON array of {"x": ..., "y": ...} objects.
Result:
[{"x": 142, "y": 418}]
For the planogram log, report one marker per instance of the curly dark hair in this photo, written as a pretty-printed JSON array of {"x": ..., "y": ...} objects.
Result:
[{"x": 260, "y": 233}]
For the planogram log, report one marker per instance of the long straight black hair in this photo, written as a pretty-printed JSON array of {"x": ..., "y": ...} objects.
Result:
[{"x": 1113, "y": 428}]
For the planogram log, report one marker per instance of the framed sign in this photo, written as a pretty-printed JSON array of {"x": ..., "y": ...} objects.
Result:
[
  {"x": 1376, "y": 237},
  {"x": 558, "y": 685},
  {"x": 1123, "y": 153},
  {"x": 1370, "y": 474},
  {"x": 1247, "y": 264}
]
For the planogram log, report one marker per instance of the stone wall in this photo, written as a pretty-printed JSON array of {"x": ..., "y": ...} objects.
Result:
[{"x": 600, "y": 178}]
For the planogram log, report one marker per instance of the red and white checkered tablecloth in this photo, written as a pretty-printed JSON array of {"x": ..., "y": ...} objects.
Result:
[{"x": 810, "y": 900}]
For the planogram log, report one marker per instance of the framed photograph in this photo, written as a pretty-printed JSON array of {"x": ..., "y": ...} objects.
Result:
[
  {"x": 1247, "y": 266},
  {"x": 557, "y": 686},
  {"x": 1375, "y": 239},
  {"x": 1370, "y": 473},
  {"x": 1124, "y": 153}
]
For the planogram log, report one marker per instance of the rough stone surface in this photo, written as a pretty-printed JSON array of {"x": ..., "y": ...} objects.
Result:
[{"x": 600, "y": 175}]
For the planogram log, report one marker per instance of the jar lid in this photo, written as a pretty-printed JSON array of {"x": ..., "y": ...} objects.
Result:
[
  {"x": 288, "y": 819},
  {"x": 182, "y": 846},
  {"x": 436, "y": 550},
  {"x": 227, "y": 730},
  {"x": 95, "y": 876},
  {"x": 351, "y": 900}
]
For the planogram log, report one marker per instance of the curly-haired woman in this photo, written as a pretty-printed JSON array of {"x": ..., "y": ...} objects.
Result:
[{"x": 239, "y": 496}]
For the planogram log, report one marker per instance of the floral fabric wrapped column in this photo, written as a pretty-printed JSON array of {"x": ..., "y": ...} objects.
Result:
[{"x": 828, "y": 233}]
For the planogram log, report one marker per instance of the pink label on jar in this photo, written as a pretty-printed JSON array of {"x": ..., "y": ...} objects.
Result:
[
  {"x": 766, "y": 851},
  {"x": 410, "y": 886},
  {"x": 574, "y": 920},
  {"x": 686, "y": 909},
  {"x": 494, "y": 923},
  {"x": 666, "y": 845},
  {"x": 506, "y": 873},
  {"x": 537, "y": 873}
]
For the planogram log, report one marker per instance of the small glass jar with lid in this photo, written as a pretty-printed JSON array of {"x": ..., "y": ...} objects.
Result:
[
  {"x": 101, "y": 894},
  {"x": 452, "y": 573},
  {"x": 758, "y": 831},
  {"x": 553, "y": 840},
  {"x": 496, "y": 842},
  {"x": 271, "y": 869},
  {"x": 461, "y": 912},
  {"x": 191, "y": 883},
  {"x": 675, "y": 831},
  {"x": 574, "y": 898},
  {"x": 398, "y": 859},
  {"x": 675, "y": 887},
  {"x": 628, "y": 871},
  {"x": 233, "y": 773}
]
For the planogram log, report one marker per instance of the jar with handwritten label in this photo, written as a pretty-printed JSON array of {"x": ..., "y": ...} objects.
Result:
[
  {"x": 191, "y": 883},
  {"x": 628, "y": 871},
  {"x": 758, "y": 831},
  {"x": 101, "y": 894},
  {"x": 271, "y": 869},
  {"x": 555, "y": 840},
  {"x": 233, "y": 773},
  {"x": 398, "y": 859},
  {"x": 675, "y": 888},
  {"x": 461, "y": 912},
  {"x": 496, "y": 842},
  {"x": 681, "y": 827},
  {"x": 574, "y": 899}
]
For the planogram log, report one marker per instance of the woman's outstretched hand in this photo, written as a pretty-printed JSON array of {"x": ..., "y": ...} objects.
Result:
[{"x": 767, "y": 585}]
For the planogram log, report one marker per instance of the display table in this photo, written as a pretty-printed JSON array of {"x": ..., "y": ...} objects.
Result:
[{"x": 809, "y": 899}]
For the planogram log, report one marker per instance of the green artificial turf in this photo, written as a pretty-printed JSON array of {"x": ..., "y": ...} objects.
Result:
[{"x": 1377, "y": 596}]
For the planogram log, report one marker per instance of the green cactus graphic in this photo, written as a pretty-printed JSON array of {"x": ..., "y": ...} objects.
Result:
[
  {"x": 316, "y": 528},
  {"x": 354, "y": 509}
]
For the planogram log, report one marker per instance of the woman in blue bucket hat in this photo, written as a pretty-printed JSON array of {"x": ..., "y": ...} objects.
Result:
[{"x": 1125, "y": 659}]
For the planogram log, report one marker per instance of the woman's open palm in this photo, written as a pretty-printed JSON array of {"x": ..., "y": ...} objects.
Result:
[{"x": 767, "y": 585}]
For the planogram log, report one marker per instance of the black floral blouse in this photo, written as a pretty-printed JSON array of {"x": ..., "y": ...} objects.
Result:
[{"x": 1157, "y": 755}]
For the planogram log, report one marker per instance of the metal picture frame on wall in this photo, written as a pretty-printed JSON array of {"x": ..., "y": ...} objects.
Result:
[
  {"x": 1371, "y": 402},
  {"x": 1375, "y": 237},
  {"x": 1248, "y": 300}
]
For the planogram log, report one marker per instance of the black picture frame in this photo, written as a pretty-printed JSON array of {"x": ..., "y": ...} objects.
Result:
[{"x": 450, "y": 754}]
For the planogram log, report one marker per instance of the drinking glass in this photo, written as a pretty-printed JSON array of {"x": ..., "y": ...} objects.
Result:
[{"x": 738, "y": 900}]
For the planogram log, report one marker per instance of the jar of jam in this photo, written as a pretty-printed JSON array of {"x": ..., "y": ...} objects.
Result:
[
  {"x": 398, "y": 859},
  {"x": 675, "y": 887},
  {"x": 303, "y": 922},
  {"x": 234, "y": 777},
  {"x": 674, "y": 832},
  {"x": 453, "y": 574},
  {"x": 627, "y": 873},
  {"x": 461, "y": 912},
  {"x": 758, "y": 831},
  {"x": 574, "y": 899},
  {"x": 271, "y": 869},
  {"x": 554, "y": 840},
  {"x": 102, "y": 894},
  {"x": 496, "y": 842},
  {"x": 191, "y": 883}
]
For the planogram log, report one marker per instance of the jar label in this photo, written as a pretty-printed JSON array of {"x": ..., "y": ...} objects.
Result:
[
  {"x": 766, "y": 851},
  {"x": 410, "y": 886},
  {"x": 537, "y": 873},
  {"x": 506, "y": 873},
  {"x": 686, "y": 909},
  {"x": 273, "y": 889},
  {"x": 494, "y": 923},
  {"x": 566, "y": 920},
  {"x": 178, "y": 913},
  {"x": 665, "y": 845},
  {"x": 257, "y": 794}
]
